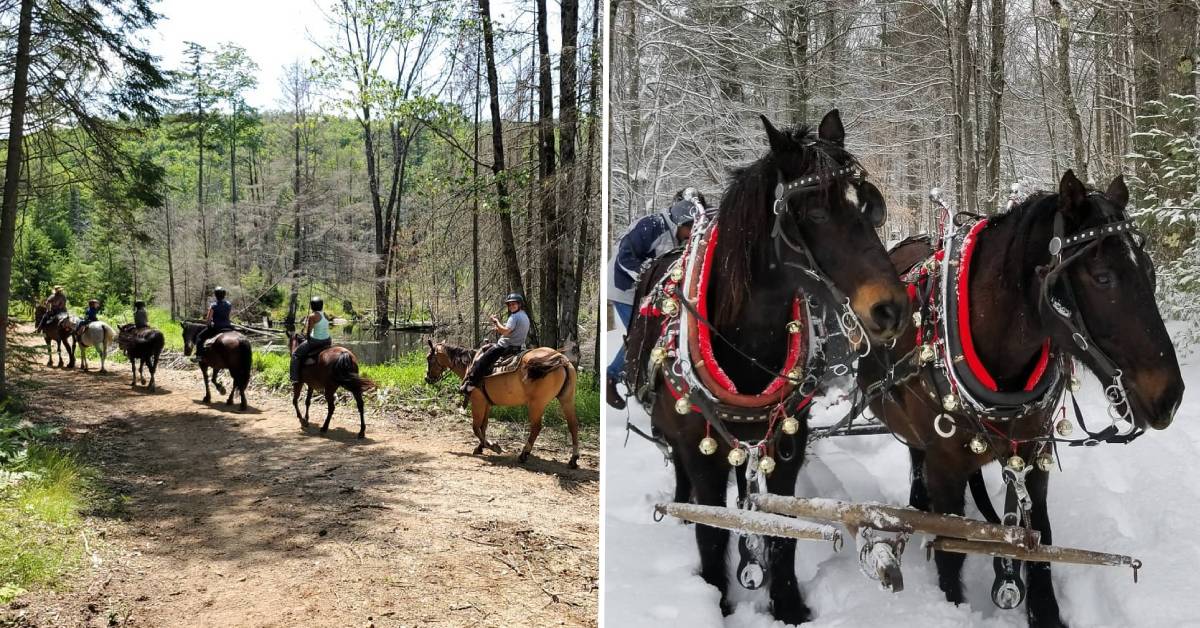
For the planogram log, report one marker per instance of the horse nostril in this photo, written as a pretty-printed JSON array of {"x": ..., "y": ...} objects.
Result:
[{"x": 886, "y": 316}]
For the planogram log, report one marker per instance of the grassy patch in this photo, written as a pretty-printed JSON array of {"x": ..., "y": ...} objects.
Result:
[{"x": 42, "y": 491}]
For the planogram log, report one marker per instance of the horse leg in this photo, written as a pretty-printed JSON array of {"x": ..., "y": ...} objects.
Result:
[
  {"x": 947, "y": 493},
  {"x": 330, "y": 395},
  {"x": 242, "y": 392},
  {"x": 536, "y": 409},
  {"x": 133, "y": 369},
  {"x": 683, "y": 484},
  {"x": 207, "y": 393},
  {"x": 50, "y": 353},
  {"x": 1041, "y": 605},
  {"x": 153, "y": 368},
  {"x": 568, "y": 410},
  {"x": 296, "y": 403},
  {"x": 787, "y": 604},
  {"x": 103, "y": 358},
  {"x": 307, "y": 403},
  {"x": 918, "y": 494},
  {"x": 479, "y": 420},
  {"x": 710, "y": 477},
  {"x": 362, "y": 417}
]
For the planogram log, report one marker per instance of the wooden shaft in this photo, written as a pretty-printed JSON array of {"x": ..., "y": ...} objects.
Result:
[
  {"x": 1040, "y": 553},
  {"x": 893, "y": 519},
  {"x": 751, "y": 521}
]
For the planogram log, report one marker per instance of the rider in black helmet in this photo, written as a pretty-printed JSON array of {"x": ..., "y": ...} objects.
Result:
[
  {"x": 512, "y": 340},
  {"x": 218, "y": 319}
]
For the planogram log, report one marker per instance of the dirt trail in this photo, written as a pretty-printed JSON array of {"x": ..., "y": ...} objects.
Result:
[{"x": 243, "y": 519}]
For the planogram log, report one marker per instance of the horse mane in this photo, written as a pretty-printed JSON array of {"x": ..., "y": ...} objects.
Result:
[
  {"x": 746, "y": 214},
  {"x": 459, "y": 356},
  {"x": 1022, "y": 251}
]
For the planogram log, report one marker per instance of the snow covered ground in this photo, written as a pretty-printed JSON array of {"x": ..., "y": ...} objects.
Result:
[{"x": 1141, "y": 499}]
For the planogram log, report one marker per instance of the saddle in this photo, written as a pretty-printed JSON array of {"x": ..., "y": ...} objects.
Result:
[{"x": 503, "y": 366}]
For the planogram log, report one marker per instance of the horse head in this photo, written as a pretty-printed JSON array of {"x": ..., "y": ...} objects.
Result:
[
  {"x": 1104, "y": 313},
  {"x": 436, "y": 362},
  {"x": 189, "y": 336}
]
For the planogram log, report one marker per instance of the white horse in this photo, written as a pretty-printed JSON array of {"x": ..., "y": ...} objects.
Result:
[{"x": 96, "y": 334}]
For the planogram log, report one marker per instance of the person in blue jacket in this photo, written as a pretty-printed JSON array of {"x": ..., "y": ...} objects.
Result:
[
  {"x": 90, "y": 315},
  {"x": 644, "y": 241}
]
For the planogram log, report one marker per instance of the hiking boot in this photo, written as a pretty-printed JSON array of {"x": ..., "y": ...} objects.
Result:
[{"x": 612, "y": 395}]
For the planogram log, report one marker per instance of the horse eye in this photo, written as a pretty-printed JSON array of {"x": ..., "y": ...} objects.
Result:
[{"x": 1103, "y": 278}]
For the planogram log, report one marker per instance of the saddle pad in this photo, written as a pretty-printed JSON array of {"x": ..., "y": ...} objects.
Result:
[{"x": 505, "y": 365}]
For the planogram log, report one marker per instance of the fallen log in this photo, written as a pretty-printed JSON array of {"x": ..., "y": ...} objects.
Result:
[
  {"x": 893, "y": 519},
  {"x": 750, "y": 521}
]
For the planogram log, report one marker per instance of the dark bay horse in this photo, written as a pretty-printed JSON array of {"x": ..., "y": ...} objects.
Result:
[
  {"x": 144, "y": 345},
  {"x": 60, "y": 331},
  {"x": 1060, "y": 276},
  {"x": 797, "y": 221},
  {"x": 332, "y": 368},
  {"x": 543, "y": 375},
  {"x": 229, "y": 350}
]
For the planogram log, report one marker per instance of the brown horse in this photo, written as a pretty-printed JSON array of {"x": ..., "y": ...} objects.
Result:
[
  {"x": 1060, "y": 275},
  {"x": 145, "y": 344},
  {"x": 544, "y": 374},
  {"x": 229, "y": 350},
  {"x": 61, "y": 331},
  {"x": 332, "y": 368}
]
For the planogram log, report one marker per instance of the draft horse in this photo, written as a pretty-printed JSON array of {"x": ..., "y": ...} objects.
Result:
[
  {"x": 727, "y": 342},
  {"x": 143, "y": 348},
  {"x": 1059, "y": 278},
  {"x": 228, "y": 350},
  {"x": 543, "y": 374},
  {"x": 332, "y": 368},
  {"x": 60, "y": 331}
]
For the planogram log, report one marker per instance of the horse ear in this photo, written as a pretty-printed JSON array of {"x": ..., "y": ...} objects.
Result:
[
  {"x": 775, "y": 139},
  {"x": 1071, "y": 193},
  {"x": 429, "y": 342},
  {"x": 1117, "y": 192},
  {"x": 831, "y": 129}
]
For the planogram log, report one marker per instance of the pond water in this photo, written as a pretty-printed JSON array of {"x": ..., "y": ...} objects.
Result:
[{"x": 370, "y": 345}]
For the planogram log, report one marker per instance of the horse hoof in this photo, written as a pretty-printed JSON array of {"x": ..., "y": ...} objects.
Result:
[
  {"x": 574, "y": 463},
  {"x": 478, "y": 450},
  {"x": 362, "y": 435},
  {"x": 324, "y": 429},
  {"x": 523, "y": 457},
  {"x": 242, "y": 407}
]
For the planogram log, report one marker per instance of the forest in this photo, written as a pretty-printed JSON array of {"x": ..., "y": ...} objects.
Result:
[
  {"x": 986, "y": 100},
  {"x": 432, "y": 158}
]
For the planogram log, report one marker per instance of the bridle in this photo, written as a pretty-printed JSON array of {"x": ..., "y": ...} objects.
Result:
[
  {"x": 1065, "y": 250},
  {"x": 446, "y": 368}
]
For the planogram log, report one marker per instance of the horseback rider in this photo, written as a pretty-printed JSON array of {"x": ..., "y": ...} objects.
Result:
[
  {"x": 141, "y": 319},
  {"x": 217, "y": 318},
  {"x": 644, "y": 241},
  {"x": 316, "y": 337},
  {"x": 90, "y": 315},
  {"x": 55, "y": 304},
  {"x": 512, "y": 341}
]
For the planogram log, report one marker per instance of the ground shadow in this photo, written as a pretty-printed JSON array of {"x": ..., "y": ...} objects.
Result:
[{"x": 219, "y": 405}]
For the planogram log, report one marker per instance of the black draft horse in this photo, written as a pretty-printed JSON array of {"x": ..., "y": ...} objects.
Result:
[
  {"x": 1112, "y": 288},
  {"x": 751, "y": 292}
]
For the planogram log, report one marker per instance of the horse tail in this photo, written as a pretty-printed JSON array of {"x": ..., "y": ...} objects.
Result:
[
  {"x": 109, "y": 336},
  {"x": 345, "y": 373},
  {"x": 568, "y": 382},
  {"x": 983, "y": 501},
  {"x": 241, "y": 375},
  {"x": 538, "y": 367}
]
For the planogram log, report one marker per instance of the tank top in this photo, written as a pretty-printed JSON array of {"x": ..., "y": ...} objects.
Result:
[
  {"x": 221, "y": 310},
  {"x": 320, "y": 331}
]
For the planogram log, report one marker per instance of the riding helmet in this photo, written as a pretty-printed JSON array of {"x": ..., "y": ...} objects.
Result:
[
  {"x": 515, "y": 296},
  {"x": 139, "y": 303},
  {"x": 316, "y": 304},
  {"x": 682, "y": 213},
  {"x": 219, "y": 292},
  {"x": 58, "y": 288}
]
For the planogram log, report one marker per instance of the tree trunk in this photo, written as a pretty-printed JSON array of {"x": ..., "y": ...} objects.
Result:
[
  {"x": 551, "y": 237},
  {"x": 294, "y": 294},
  {"x": 170, "y": 254},
  {"x": 511, "y": 266},
  {"x": 568, "y": 108},
  {"x": 996, "y": 86},
  {"x": 1063, "y": 22},
  {"x": 12, "y": 176}
]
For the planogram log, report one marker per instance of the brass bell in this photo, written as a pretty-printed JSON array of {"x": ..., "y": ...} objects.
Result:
[
  {"x": 926, "y": 354},
  {"x": 1045, "y": 462},
  {"x": 1016, "y": 463},
  {"x": 978, "y": 445},
  {"x": 737, "y": 456},
  {"x": 1064, "y": 427},
  {"x": 795, "y": 327},
  {"x": 670, "y": 307},
  {"x": 795, "y": 375},
  {"x": 683, "y": 405},
  {"x": 1074, "y": 384},
  {"x": 950, "y": 403},
  {"x": 677, "y": 273},
  {"x": 708, "y": 445},
  {"x": 658, "y": 354},
  {"x": 790, "y": 425},
  {"x": 766, "y": 465}
]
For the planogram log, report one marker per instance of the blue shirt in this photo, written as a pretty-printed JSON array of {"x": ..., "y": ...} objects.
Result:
[
  {"x": 91, "y": 313},
  {"x": 518, "y": 326},
  {"x": 220, "y": 313}
]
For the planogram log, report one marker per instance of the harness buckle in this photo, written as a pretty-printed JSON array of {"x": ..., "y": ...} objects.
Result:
[
  {"x": 1080, "y": 340},
  {"x": 780, "y": 206}
]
